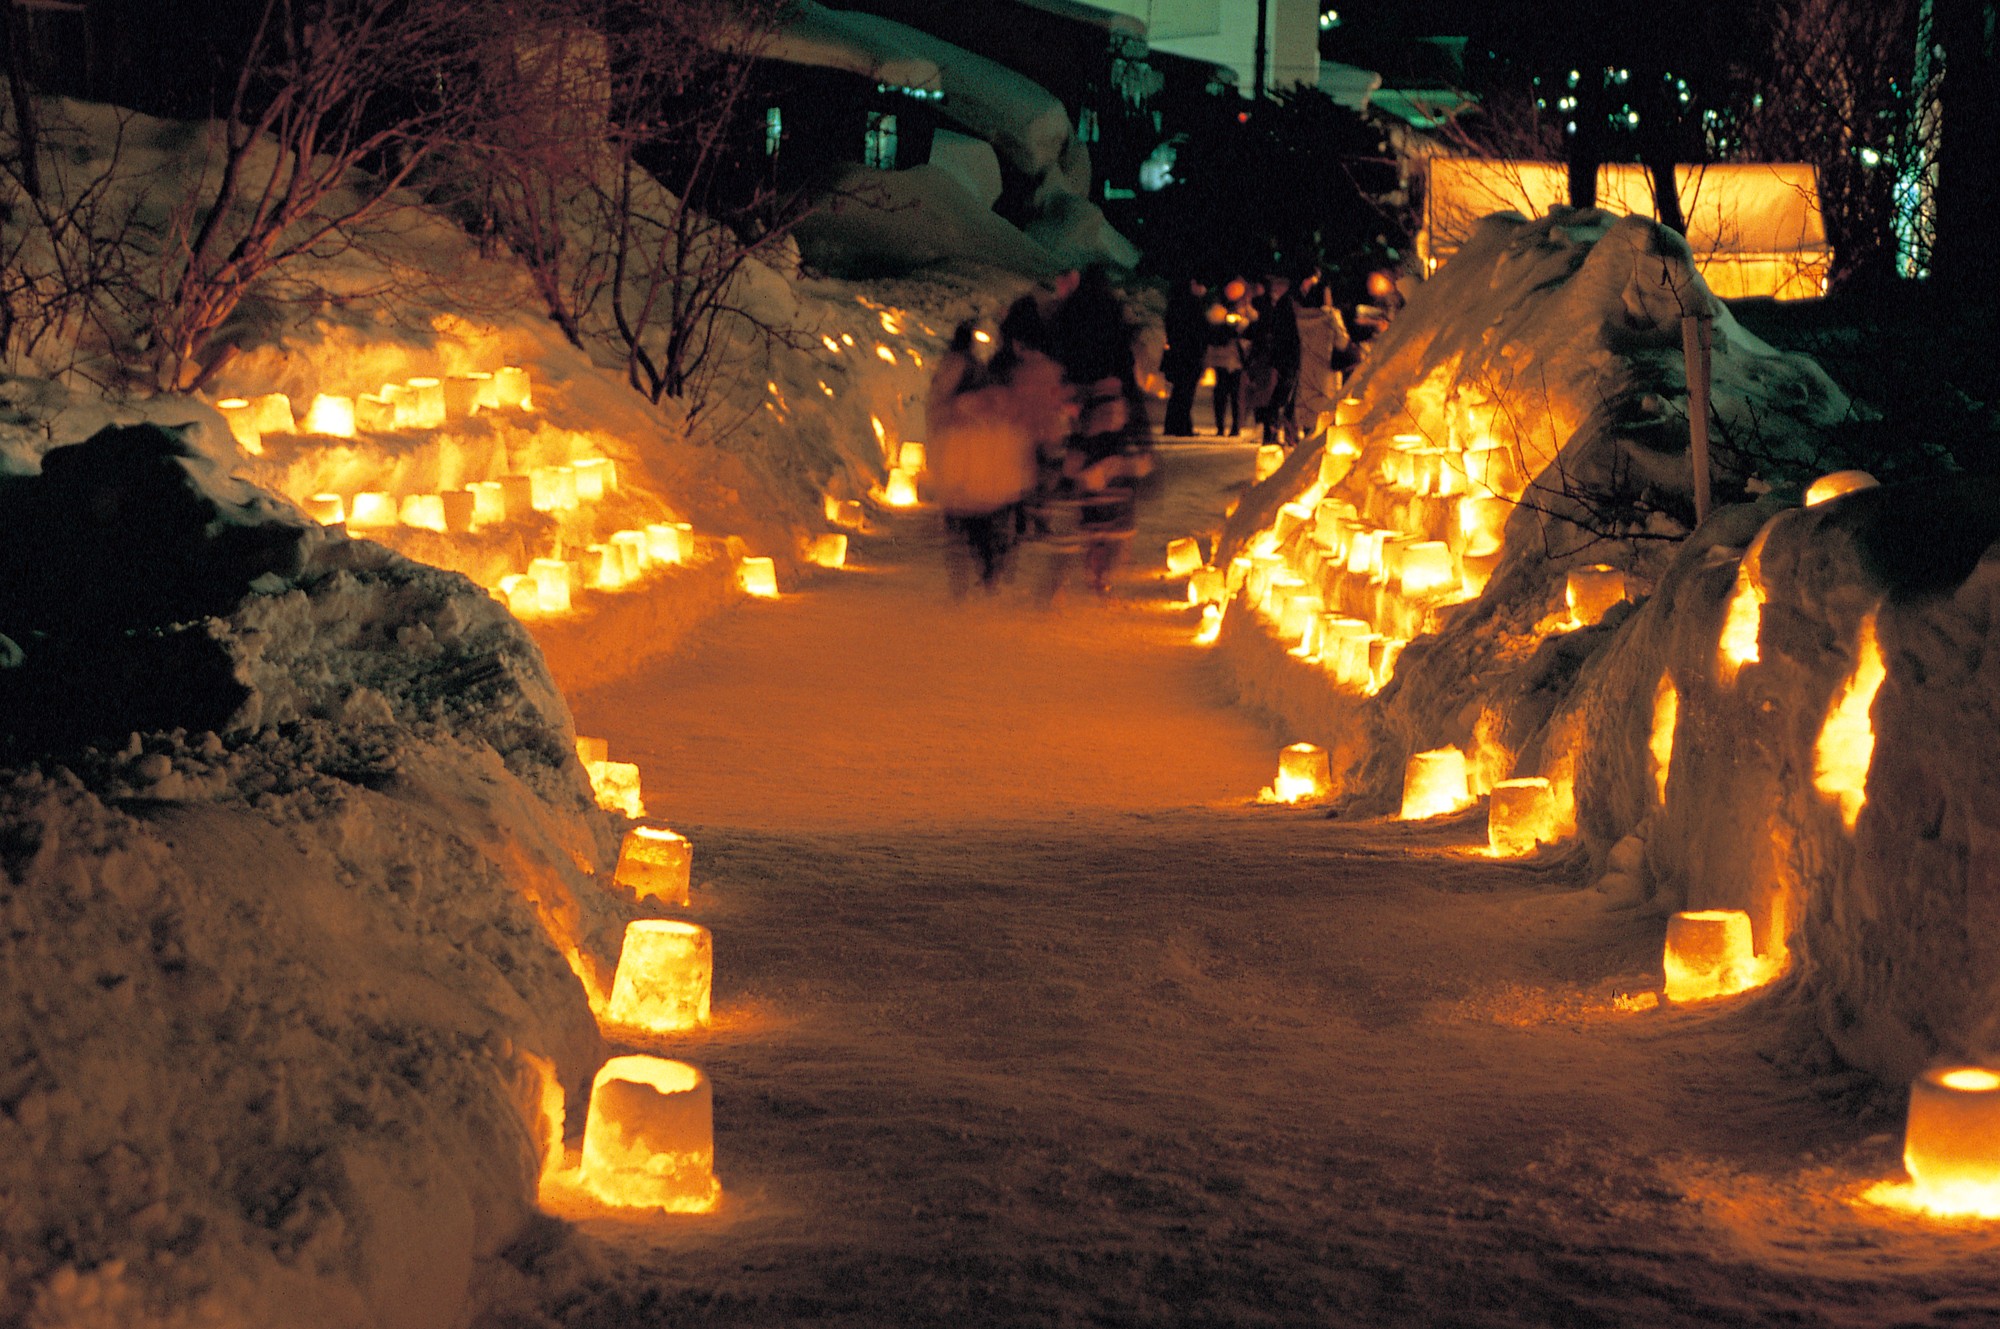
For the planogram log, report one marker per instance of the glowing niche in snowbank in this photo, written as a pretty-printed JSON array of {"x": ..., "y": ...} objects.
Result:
[
  {"x": 1829, "y": 487},
  {"x": 1709, "y": 953},
  {"x": 1742, "y": 622},
  {"x": 1846, "y": 744},
  {"x": 1434, "y": 783},
  {"x": 655, "y": 862},
  {"x": 665, "y": 971},
  {"x": 649, "y": 1139},
  {"x": 1666, "y": 714}
]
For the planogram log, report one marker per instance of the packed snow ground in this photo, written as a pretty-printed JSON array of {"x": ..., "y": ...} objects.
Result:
[{"x": 1026, "y": 1014}]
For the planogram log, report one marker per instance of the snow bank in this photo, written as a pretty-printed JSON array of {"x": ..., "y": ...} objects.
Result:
[
  {"x": 287, "y": 966},
  {"x": 1789, "y": 712}
]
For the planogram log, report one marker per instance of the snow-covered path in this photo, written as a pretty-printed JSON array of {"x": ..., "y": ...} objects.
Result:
[{"x": 1027, "y": 1015}]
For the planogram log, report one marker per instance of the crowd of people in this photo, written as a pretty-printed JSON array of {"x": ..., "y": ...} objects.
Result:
[{"x": 1038, "y": 428}]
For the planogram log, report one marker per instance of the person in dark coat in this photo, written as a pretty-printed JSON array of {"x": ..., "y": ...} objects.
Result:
[
  {"x": 1187, "y": 339},
  {"x": 1228, "y": 317},
  {"x": 1274, "y": 360}
]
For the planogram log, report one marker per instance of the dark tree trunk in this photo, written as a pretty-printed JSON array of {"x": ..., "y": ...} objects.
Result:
[
  {"x": 1966, "y": 260},
  {"x": 14, "y": 68}
]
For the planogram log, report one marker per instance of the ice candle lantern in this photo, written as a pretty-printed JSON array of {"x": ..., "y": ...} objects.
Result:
[
  {"x": 1183, "y": 557},
  {"x": 615, "y": 786},
  {"x": 665, "y": 971},
  {"x": 241, "y": 416},
  {"x": 1592, "y": 591},
  {"x": 1709, "y": 953},
  {"x": 372, "y": 508},
  {"x": 911, "y": 457},
  {"x": 510, "y": 387},
  {"x": 326, "y": 509},
  {"x": 1303, "y": 773},
  {"x": 552, "y": 578},
  {"x": 901, "y": 489},
  {"x": 1951, "y": 1141},
  {"x": 649, "y": 1138},
  {"x": 759, "y": 577},
  {"x": 1520, "y": 815},
  {"x": 655, "y": 862},
  {"x": 828, "y": 551},
  {"x": 1269, "y": 458},
  {"x": 1434, "y": 784},
  {"x": 273, "y": 413},
  {"x": 331, "y": 416}
]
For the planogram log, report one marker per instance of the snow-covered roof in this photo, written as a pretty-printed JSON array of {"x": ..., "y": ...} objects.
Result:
[
  {"x": 1109, "y": 20},
  {"x": 812, "y": 34}
]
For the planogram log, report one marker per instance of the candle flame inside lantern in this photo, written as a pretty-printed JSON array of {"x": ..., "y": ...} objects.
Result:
[
  {"x": 1709, "y": 953},
  {"x": 649, "y": 1137},
  {"x": 1434, "y": 783},
  {"x": 759, "y": 577},
  {"x": 1666, "y": 714},
  {"x": 885, "y": 353},
  {"x": 665, "y": 972},
  {"x": 1303, "y": 773},
  {"x": 1521, "y": 815},
  {"x": 655, "y": 863},
  {"x": 1846, "y": 746}
]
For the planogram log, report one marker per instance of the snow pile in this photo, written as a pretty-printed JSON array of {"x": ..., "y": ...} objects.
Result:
[
  {"x": 288, "y": 973},
  {"x": 1785, "y": 713}
]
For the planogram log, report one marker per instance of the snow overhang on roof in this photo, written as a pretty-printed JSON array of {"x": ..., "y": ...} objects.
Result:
[
  {"x": 1109, "y": 20},
  {"x": 812, "y": 34}
]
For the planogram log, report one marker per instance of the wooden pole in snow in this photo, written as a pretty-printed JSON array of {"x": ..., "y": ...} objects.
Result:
[{"x": 1697, "y": 336}]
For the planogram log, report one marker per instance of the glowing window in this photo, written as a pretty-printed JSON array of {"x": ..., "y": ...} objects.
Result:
[
  {"x": 774, "y": 130},
  {"x": 879, "y": 147}
]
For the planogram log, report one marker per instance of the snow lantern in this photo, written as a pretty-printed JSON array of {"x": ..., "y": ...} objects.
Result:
[
  {"x": 911, "y": 457},
  {"x": 1207, "y": 586},
  {"x": 1211, "y": 625},
  {"x": 510, "y": 387},
  {"x": 1829, "y": 487},
  {"x": 615, "y": 786},
  {"x": 1400, "y": 467},
  {"x": 603, "y": 568},
  {"x": 1427, "y": 569},
  {"x": 424, "y": 398},
  {"x": 372, "y": 508},
  {"x": 1303, "y": 773},
  {"x": 1709, "y": 954},
  {"x": 596, "y": 477},
  {"x": 423, "y": 511},
  {"x": 518, "y": 589},
  {"x": 665, "y": 970},
  {"x": 1290, "y": 518},
  {"x": 655, "y": 862},
  {"x": 552, "y": 583},
  {"x": 1666, "y": 714},
  {"x": 1591, "y": 592},
  {"x": 1269, "y": 458},
  {"x": 592, "y": 749},
  {"x": 1846, "y": 746},
  {"x": 1520, "y": 815},
  {"x": 1298, "y": 613},
  {"x": 649, "y": 1137},
  {"x": 900, "y": 491},
  {"x": 517, "y": 494},
  {"x": 828, "y": 551},
  {"x": 1951, "y": 1140},
  {"x": 552, "y": 488},
  {"x": 330, "y": 416},
  {"x": 849, "y": 514},
  {"x": 1434, "y": 784},
  {"x": 1348, "y": 410},
  {"x": 273, "y": 414},
  {"x": 374, "y": 413},
  {"x": 489, "y": 502},
  {"x": 759, "y": 577},
  {"x": 669, "y": 541},
  {"x": 459, "y": 507},
  {"x": 326, "y": 509},
  {"x": 462, "y": 393},
  {"x": 240, "y": 414},
  {"x": 1183, "y": 557},
  {"x": 631, "y": 547},
  {"x": 1482, "y": 522}
]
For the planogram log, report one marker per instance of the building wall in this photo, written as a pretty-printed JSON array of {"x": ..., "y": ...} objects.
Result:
[{"x": 1225, "y": 32}]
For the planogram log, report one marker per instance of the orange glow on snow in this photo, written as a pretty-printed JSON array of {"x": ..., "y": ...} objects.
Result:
[
  {"x": 1846, "y": 746},
  {"x": 884, "y": 353}
]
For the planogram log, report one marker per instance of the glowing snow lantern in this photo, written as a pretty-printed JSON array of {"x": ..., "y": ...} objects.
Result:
[
  {"x": 1951, "y": 1140},
  {"x": 1303, "y": 772},
  {"x": 424, "y": 398},
  {"x": 517, "y": 493},
  {"x": 1207, "y": 586},
  {"x": 596, "y": 477},
  {"x": 1846, "y": 745},
  {"x": 1482, "y": 522},
  {"x": 1211, "y": 625},
  {"x": 552, "y": 581},
  {"x": 374, "y": 413},
  {"x": 669, "y": 541},
  {"x": 553, "y": 488},
  {"x": 1269, "y": 458},
  {"x": 424, "y": 511},
  {"x": 326, "y": 509},
  {"x": 631, "y": 547},
  {"x": 1338, "y": 458},
  {"x": 1298, "y": 614},
  {"x": 1592, "y": 591},
  {"x": 461, "y": 394},
  {"x": 1183, "y": 557},
  {"x": 240, "y": 414},
  {"x": 518, "y": 589},
  {"x": 828, "y": 551},
  {"x": 1348, "y": 410},
  {"x": 589, "y": 749},
  {"x": 603, "y": 568},
  {"x": 901, "y": 489},
  {"x": 1427, "y": 569},
  {"x": 1364, "y": 552},
  {"x": 1434, "y": 784},
  {"x": 1666, "y": 714},
  {"x": 1709, "y": 953},
  {"x": 273, "y": 413},
  {"x": 1521, "y": 814},
  {"x": 615, "y": 786},
  {"x": 911, "y": 457},
  {"x": 759, "y": 577},
  {"x": 489, "y": 502},
  {"x": 665, "y": 970},
  {"x": 649, "y": 1138},
  {"x": 330, "y": 416},
  {"x": 1829, "y": 487},
  {"x": 655, "y": 863},
  {"x": 510, "y": 387},
  {"x": 372, "y": 508},
  {"x": 1400, "y": 467}
]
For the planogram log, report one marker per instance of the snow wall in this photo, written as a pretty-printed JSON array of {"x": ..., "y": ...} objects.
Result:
[{"x": 1695, "y": 776}]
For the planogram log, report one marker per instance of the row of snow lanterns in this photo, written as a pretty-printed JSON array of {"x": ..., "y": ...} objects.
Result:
[
  {"x": 549, "y": 585},
  {"x": 419, "y": 403},
  {"x": 649, "y": 1132}
]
